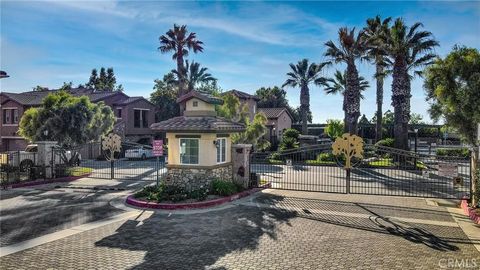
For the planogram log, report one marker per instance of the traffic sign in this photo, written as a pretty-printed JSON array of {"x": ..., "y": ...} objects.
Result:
[{"x": 157, "y": 148}]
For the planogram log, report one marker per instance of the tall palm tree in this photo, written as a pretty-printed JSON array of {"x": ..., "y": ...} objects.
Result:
[
  {"x": 195, "y": 75},
  {"x": 338, "y": 84},
  {"x": 350, "y": 48},
  {"x": 179, "y": 41},
  {"x": 302, "y": 75},
  {"x": 408, "y": 48},
  {"x": 374, "y": 30}
]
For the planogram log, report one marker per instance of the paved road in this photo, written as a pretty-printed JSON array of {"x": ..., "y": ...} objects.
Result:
[
  {"x": 32, "y": 212},
  {"x": 382, "y": 181},
  {"x": 278, "y": 230}
]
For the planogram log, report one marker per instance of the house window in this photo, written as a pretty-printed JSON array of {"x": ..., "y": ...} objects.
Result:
[
  {"x": 221, "y": 150},
  {"x": 195, "y": 104},
  {"x": 119, "y": 112},
  {"x": 140, "y": 118},
  {"x": 145, "y": 118},
  {"x": 189, "y": 151},
  {"x": 6, "y": 116},
  {"x": 15, "y": 116}
]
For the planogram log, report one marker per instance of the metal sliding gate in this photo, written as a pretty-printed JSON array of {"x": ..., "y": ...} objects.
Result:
[
  {"x": 381, "y": 171},
  {"x": 93, "y": 163}
]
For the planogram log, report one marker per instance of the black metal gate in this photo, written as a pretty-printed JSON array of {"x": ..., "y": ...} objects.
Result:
[
  {"x": 138, "y": 164},
  {"x": 382, "y": 171}
]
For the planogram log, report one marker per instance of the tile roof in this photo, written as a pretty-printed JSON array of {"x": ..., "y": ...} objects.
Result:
[
  {"x": 273, "y": 112},
  {"x": 129, "y": 100},
  {"x": 198, "y": 124},
  {"x": 202, "y": 96},
  {"x": 35, "y": 98},
  {"x": 241, "y": 95}
]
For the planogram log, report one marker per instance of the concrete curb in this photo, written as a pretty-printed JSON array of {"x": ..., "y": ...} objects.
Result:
[
  {"x": 470, "y": 212},
  {"x": 196, "y": 205},
  {"x": 43, "y": 182}
]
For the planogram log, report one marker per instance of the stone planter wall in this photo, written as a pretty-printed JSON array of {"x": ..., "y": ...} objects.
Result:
[{"x": 191, "y": 178}]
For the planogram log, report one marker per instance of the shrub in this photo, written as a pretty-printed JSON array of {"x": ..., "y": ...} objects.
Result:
[
  {"x": 388, "y": 142},
  {"x": 326, "y": 157},
  {"x": 223, "y": 188},
  {"x": 453, "y": 152},
  {"x": 198, "y": 194},
  {"x": 275, "y": 156},
  {"x": 146, "y": 191}
]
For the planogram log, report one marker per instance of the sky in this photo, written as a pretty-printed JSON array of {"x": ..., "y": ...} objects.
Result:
[{"x": 248, "y": 45}]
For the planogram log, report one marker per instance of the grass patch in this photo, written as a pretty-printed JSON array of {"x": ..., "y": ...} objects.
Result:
[
  {"x": 274, "y": 161},
  {"x": 383, "y": 162},
  {"x": 78, "y": 171}
]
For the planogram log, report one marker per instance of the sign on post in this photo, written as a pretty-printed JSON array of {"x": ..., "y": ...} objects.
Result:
[{"x": 157, "y": 148}]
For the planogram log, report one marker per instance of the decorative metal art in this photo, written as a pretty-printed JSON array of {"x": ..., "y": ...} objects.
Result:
[
  {"x": 111, "y": 144},
  {"x": 350, "y": 146}
]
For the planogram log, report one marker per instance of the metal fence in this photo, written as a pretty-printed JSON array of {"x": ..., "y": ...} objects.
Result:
[
  {"x": 19, "y": 166},
  {"x": 93, "y": 163},
  {"x": 382, "y": 171}
]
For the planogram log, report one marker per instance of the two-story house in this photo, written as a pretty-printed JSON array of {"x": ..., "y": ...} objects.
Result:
[
  {"x": 134, "y": 115},
  {"x": 246, "y": 98}
]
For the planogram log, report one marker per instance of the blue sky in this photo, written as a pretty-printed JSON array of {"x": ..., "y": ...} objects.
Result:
[{"x": 247, "y": 44}]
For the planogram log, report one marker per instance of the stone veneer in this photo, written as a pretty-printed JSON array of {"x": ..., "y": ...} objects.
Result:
[{"x": 192, "y": 177}]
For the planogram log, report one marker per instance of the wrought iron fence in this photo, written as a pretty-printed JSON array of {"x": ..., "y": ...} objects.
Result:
[
  {"x": 19, "y": 166},
  {"x": 382, "y": 171}
]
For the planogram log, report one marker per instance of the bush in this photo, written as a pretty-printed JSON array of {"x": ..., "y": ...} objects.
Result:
[
  {"x": 275, "y": 156},
  {"x": 224, "y": 188},
  {"x": 388, "y": 142},
  {"x": 198, "y": 194},
  {"x": 326, "y": 157},
  {"x": 453, "y": 152}
]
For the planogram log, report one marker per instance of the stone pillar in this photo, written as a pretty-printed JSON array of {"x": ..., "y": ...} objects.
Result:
[
  {"x": 44, "y": 156},
  {"x": 241, "y": 163}
]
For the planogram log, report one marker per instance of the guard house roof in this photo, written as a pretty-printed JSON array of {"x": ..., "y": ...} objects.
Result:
[{"x": 202, "y": 124}]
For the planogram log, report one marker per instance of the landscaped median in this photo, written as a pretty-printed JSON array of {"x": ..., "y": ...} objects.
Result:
[{"x": 175, "y": 198}]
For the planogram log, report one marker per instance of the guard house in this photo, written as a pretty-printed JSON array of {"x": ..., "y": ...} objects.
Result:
[{"x": 199, "y": 142}]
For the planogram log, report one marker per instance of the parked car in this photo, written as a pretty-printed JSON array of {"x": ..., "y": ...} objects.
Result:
[
  {"x": 139, "y": 152},
  {"x": 28, "y": 158}
]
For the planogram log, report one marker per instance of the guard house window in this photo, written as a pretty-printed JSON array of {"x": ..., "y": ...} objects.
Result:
[
  {"x": 119, "y": 112},
  {"x": 221, "y": 150},
  {"x": 140, "y": 118},
  {"x": 195, "y": 104},
  {"x": 189, "y": 151}
]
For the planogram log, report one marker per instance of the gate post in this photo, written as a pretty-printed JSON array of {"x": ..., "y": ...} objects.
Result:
[{"x": 347, "y": 184}]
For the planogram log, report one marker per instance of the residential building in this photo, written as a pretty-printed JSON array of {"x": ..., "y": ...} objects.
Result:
[
  {"x": 246, "y": 98},
  {"x": 134, "y": 115},
  {"x": 279, "y": 119}
]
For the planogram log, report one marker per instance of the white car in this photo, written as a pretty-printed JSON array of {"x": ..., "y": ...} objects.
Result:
[{"x": 139, "y": 153}]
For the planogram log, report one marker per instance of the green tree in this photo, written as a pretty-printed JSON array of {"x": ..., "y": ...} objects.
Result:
[
  {"x": 338, "y": 85},
  {"x": 71, "y": 121},
  {"x": 255, "y": 130},
  {"x": 302, "y": 75},
  {"x": 194, "y": 76},
  {"x": 39, "y": 88},
  {"x": 408, "y": 49},
  {"x": 164, "y": 96},
  {"x": 416, "y": 118},
  {"x": 179, "y": 42},
  {"x": 375, "y": 29},
  {"x": 334, "y": 128},
  {"x": 289, "y": 139},
  {"x": 350, "y": 48},
  {"x": 105, "y": 81},
  {"x": 452, "y": 85}
]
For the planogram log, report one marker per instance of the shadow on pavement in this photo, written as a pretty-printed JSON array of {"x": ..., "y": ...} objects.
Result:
[{"x": 196, "y": 241}]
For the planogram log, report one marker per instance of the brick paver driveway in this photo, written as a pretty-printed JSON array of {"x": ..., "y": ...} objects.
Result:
[{"x": 271, "y": 231}]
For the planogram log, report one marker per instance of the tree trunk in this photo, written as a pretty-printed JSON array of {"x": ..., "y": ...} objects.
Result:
[
  {"x": 181, "y": 78},
  {"x": 304, "y": 108},
  {"x": 352, "y": 97},
  {"x": 378, "y": 127},
  {"x": 401, "y": 103}
]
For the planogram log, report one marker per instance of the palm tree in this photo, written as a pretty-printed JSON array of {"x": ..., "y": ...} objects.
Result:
[
  {"x": 408, "y": 48},
  {"x": 302, "y": 75},
  {"x": 338, "y": 84},
  {"x": 194, "y": 76},
  {"x": 179, "y": 41},
  {"x": 373, "y": 32},
  {"x": 351, "y": 47}
]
